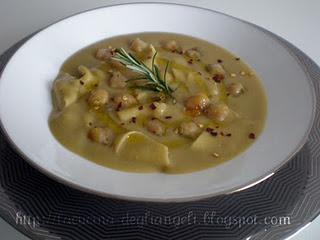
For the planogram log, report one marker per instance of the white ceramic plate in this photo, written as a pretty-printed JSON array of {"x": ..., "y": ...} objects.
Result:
[{"x": 25, "y": 101}]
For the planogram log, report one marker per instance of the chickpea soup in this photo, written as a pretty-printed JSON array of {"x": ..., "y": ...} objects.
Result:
[{"x": 157, "y": 102}]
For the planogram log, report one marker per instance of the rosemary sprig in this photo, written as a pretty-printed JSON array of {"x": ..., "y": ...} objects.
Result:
[{"x": 150, "y": 78}]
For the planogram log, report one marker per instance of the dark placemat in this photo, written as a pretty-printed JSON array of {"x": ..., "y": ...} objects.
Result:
[{"x": 42, "y": 208}]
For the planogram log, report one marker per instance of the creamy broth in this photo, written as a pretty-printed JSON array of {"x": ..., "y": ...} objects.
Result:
[{"x": 160, "y": 131}]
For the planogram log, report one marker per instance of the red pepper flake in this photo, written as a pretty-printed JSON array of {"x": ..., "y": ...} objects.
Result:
[
  {"x": 218, "y": 77},
  {"x": 134, "y": 119},
  {"x": 190, "y": 61},
  {"x": 152, "y": 106},
  {"x": 81, "y": 82},
  {"x": 154, "y": 118},
  {"x": 237, "y": 59},
  {"x": 168, "y": 117},
  {"x": 217, "y": 126},
  {"x": 140, "y": 108},
  {"x": 252, "y": 136},
  {"x": 122, "y": 124},
  {"x": 229, "y": 135},
  {"x": 212, "y": 132},
  {"x": 219, "y": 61},
  {"x": 221, "y": 133},
  {"x": 209, "y": 130},
  {"x": 119, "y": 106}
]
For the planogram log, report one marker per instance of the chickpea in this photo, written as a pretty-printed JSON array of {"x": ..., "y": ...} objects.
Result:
[
  {"x": 215, "y": 69},
  {"x": 195, "y": 104},
  {"x": 124, "y": 100},
  {"x": 117, "y": 80},
  {"x": 235, "y": 89},
  {"x": 159, "y": 97},
  {"x": 193, "y": 53},
  {"x": 156, "y": 127},
  {"x": 170, "y": 45},
  {"x": 189, "y": 129},
  {"x": 160, "y": 109},
  {"x": 116, "y": 65},
  {"x": 101, "y": 135},
  {"x": 150, "y": 51},
  {"x": 104, "y": 54},
  {"x": 218, "y": 111},
  {"x": 138, "y": 45},
  {"x": 98, "y": 98}
]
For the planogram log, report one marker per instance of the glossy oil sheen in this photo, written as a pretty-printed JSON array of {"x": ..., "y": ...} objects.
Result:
[{"x": 70, "y": 130}]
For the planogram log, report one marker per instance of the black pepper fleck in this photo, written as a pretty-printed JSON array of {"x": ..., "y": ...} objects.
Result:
[{"x": 214, "y": 134}]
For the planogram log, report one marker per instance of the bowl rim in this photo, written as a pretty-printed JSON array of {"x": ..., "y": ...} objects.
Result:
[{"x": 250, "y": 184}]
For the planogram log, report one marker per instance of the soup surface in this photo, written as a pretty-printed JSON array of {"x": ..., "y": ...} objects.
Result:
[{"x": 157, "y": 102}]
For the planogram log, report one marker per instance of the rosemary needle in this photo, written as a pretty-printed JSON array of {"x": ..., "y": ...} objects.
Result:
[{"x": 150, "y": 78}]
